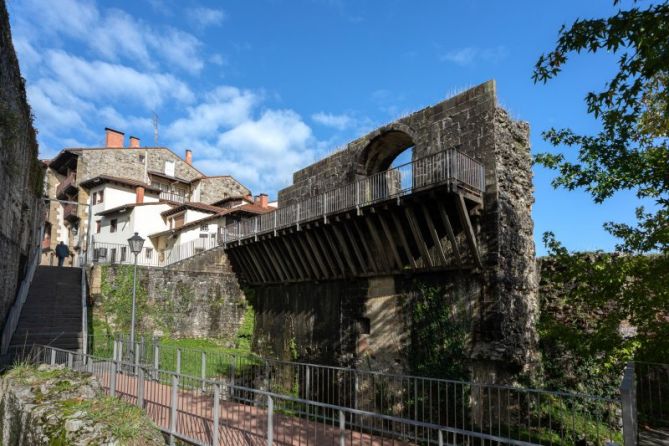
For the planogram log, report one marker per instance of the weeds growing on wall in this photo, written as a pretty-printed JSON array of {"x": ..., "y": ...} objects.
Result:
[
  {"x": 439, "y": 332},
  {"x": 116, "y": 293}
]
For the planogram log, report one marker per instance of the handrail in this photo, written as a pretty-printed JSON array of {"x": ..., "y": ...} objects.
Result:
[
  {"x": 86, "y": 361},
  {"x": 447, "y": 165},
  {"x": 12, "y": 320},
  {"x": 84, "y": 311}
]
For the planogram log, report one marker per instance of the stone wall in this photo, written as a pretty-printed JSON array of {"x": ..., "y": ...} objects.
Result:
[
  {"x": 21, "y": 173},
  {"x": 213, "y": 189},
  {"x": 52, "y": 406},
  {"x": 500, "y": 297},
  {"x": 198, "y": 297}
]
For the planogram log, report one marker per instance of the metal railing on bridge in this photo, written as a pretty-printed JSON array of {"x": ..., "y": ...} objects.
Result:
[
  {"x": 119, "y": 254},
  {"x": 207, "y": 412},
  {"x": 442, "y": 167},
  {"x": 522, "y": 414}
]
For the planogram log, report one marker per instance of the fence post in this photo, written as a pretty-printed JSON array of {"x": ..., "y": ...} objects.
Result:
[
  {"x": 156, "y": 360},
  {"x": 70, "y": 360},
  {"x": 270, "y": 421},
  {"x": 275, "y": 223},
  {"x": 628, "y": 400},
  {"x": 120, "y": 350},
  {"x": 342, "y": 428},
  {"x": 112, "y": 378},
  {"x": 217, "y": 414},
  {"x": 137, "y": 353},
  {"x": 173, "y": 409},
  {"x": 115, "y": 350},
  {"x": 178, "y": 361},
  {"x": 297, "y": 216},
  {"x": 203, "y": 371},
  {"x": 307, "y": 386},
  {"x": 53, "y": 357},
  {"x": 441, "y": 438},
  {"x": 140, "y": 388}
]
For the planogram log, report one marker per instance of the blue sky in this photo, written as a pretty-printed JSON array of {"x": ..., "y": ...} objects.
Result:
[{"x": 260, "y": 89}]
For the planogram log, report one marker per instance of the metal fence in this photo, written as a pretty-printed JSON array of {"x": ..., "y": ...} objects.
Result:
[
  {"x": 652, "y": 387},
  {"x": 120, "y": 254},
  {"x": 207, "y": 412},
  {"x": 445, "y": 166},
  {"x": 523, "y": 414}
]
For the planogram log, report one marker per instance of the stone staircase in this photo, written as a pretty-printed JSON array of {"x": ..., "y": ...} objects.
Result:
[{"x": 51, "y": 314}]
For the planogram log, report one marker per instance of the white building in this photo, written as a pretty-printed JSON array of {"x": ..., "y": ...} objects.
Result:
[{"x": 121, "y": 208}]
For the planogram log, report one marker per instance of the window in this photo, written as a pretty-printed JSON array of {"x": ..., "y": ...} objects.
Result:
[
  {"x": 204, "y": 228},
  {"x": 94, "y": 198},
  {"x": 204, "y": 236},
  {"x": 123, "y": 251},
  {"x": 101, "y": 196},
  {"x": 98, "y": 226},
  {"x": 149, "y": 253},
  {"x": 113, "y": 224},
  {"x": 113, "y": 255}
]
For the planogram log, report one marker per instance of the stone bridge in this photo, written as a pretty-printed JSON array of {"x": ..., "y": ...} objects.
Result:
[{"x": 337, "y": 271}]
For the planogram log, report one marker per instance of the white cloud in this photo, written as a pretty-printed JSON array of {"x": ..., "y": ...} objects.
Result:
[
  {"x": 96, "y": 80},
  {"x": 112, "y": 34},
  {"x": 468, "y": 55},
  {"x": 339, "y": 122},
  {"x": 204, "y": 17}
]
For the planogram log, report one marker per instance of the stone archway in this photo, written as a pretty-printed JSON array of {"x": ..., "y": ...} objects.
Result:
[{"x": 382, "y": 150}]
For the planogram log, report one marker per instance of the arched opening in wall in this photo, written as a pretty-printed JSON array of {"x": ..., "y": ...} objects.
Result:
[
  {"x": 393, "y": 148},
  {"x": 390, "y": 149}
]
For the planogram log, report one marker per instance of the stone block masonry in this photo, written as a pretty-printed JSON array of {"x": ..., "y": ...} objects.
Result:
[
  {"x": 21, "y": 173},
  {"x": 498, "y": 298}
]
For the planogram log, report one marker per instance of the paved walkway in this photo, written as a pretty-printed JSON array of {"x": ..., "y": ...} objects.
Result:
[
  {"x": 653, "y": 436},
  {"x": 240, "y": 424}
]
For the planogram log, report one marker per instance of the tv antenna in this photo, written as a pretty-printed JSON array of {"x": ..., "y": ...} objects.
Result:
[{"x": 155, "y": 129}]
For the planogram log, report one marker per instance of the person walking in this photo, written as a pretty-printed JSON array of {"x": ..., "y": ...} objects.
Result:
[{"x": 61, "y": 253}]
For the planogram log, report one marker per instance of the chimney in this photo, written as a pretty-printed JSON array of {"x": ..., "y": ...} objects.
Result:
[
  {"x": 262, "y": 200},
  {"x": 139, "y": 195},
  {"x": 189, "y": 157},
  {"x": 249, "y": 198},
  {"x": 134, "y": 142},
  {"x": 114, "y": 138}
]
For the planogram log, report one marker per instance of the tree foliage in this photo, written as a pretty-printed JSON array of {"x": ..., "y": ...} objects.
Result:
[
  {"x": 631, "y": 150},
  {"x": 604, "y": 293}
]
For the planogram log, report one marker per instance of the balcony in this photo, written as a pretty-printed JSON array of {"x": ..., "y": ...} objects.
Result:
[
  {"x": 70, "y": 212},
  {"x": 67, "y": 186},
  {"x": 170, "y": 196}
]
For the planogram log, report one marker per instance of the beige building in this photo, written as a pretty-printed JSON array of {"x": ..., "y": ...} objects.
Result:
[{"x": 161, "y": 173}]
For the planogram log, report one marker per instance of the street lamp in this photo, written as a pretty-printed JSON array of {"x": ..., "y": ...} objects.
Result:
[{"x": 136, "y": 242}]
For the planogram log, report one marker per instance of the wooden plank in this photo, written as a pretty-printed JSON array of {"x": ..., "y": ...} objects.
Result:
[
  {"x": 449, "y": 232},
  {"x": 333, "y": 249},
  {"x": 255, "y": 262},
  {"x": 247, "y": 273},
  {"x": 356, "y": 250},
  {"x": 418, "y": 237},
  {"x": 296, "y": 264},
  {"x": 383, "y": 257},
  {"x": 270, "y": 272},
  {"x": 275, "y": 263},
  {"x": 317, "y": 254},
  {"x": 391, "y": 242},
  {"x": 433, "y": 232},
  {"x": 311, "y": 261},
  {"x": 365, "y": 246},
  {"x": 344, "y": 249},
  {"x": 283, "y": 262},
  {"x": 326, "y": 252},
  {"x": 403, "y": 240},
  {"x": 469, "y": 229}
]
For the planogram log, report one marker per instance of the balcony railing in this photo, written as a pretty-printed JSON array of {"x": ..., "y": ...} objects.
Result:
[
  {"x": 70, "y": 181},
  {"x": 119, "y": 254},
  {"x": 442, "y": 167},
  {"x": 170, "y": 196},
  {"x": 70, "y": 211}
]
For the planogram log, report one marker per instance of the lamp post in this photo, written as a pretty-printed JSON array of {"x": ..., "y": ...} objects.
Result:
[{"x": 136, "y": 242}]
